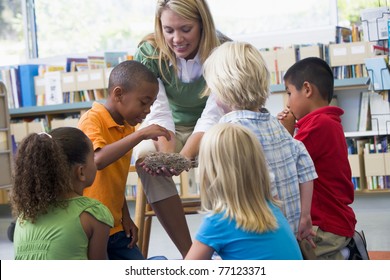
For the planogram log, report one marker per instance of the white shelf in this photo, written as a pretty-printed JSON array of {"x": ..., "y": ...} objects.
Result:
[{"x": 358, "y": 134}]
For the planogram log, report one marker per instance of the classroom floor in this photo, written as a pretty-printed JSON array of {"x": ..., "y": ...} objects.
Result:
[{"x": 372, "y": 211}]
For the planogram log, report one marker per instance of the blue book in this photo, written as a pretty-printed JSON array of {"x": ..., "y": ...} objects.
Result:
[{"x": 27, "y": 72}]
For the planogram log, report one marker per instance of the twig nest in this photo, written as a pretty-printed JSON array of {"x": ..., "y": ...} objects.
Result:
[{"x": 176, "y": 161}]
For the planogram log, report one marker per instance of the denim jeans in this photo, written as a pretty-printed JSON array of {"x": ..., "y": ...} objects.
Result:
[{"x": 117, "y": 248}]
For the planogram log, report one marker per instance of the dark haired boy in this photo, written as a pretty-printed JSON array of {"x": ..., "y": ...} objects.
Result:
[
  {"x": 132, "y": 89},
  {"x": 309, "y": 85}
]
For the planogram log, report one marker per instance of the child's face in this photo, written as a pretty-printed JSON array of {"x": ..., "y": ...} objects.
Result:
[
  {"x": 181, "y": 35},
  {"x": 135, "y": 105},
  {"x": 297, "y": 100}
]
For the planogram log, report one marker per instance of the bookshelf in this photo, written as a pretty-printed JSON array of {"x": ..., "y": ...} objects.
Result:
[
  {"x": 5, "y": 147},
  {"x": 364, "y": 166},
  {"x": 347, "y": 92}
]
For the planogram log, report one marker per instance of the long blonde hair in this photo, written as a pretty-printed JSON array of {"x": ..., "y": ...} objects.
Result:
[
  {"x": 194, "y": 10},
  {"x": 237, "y": 73},
  {"x": 234, "y": 177}
]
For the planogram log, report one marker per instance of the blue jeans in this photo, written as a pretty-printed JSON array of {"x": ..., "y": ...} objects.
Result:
[{"x": 117, "y": 248}]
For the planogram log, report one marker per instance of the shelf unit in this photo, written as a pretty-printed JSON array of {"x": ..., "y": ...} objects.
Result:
[
  {"x": 5, "y": 147},
  {"x": 347, "y": 92}
]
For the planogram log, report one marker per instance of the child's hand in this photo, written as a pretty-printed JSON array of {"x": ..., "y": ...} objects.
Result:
[
  {"x": 131, "y": 230},
  {"x": 305, "y": 230},
  {"x": 282, "y": 115},
  {"x": 165, "y": 164},
  {"x": 287, "y": 119},
  {"x": 154, "y": 131}
]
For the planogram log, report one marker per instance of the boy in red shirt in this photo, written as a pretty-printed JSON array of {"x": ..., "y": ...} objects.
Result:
[{"x": 309, "y": 85}]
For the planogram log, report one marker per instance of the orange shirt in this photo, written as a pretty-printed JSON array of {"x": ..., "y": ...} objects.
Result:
[{"x": 110, "y": 182}]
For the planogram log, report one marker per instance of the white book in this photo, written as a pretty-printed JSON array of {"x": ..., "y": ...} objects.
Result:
[
  {"x": 364, "y": 111},
  {"x": 380, "y": 113},
  {"x": 14, "y": 87},
  {"x": 374, "y": 22},
  {"x": 53, "y": 88}
]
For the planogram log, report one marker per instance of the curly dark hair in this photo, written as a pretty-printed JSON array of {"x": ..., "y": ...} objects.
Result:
[{"x": 41, "y": 177}]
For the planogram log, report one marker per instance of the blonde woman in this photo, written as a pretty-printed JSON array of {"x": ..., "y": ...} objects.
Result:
[
  {"x": 243, "y": 88},
  {"x": 183, "y": 38},
  {"x": 244, "y": 221}
]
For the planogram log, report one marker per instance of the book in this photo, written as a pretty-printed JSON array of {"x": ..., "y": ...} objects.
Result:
[
  {"x": 15, "y": 86},
  {"x": 364, "y": 123},
  {"x": 53, "y": 88},
  {"x": 378, "y": 72},
  {"x": 343, "y": 34},
  {"x": 380, "y": 112},
  {"x": 72, "y": 62},
  {"x": 6, "y": 78},
  {"x": 27, "y": 72},
  {"x": 112, "y": 59},
  {"x": 374, "y": 22},
  {"x": 96, "y": 62}
]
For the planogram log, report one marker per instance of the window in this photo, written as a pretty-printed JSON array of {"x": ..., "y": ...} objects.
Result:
[
  {"x": 89, "y": 26},
  {"x": 12, "y": 44},
  {"x": 71, "y": 27}
]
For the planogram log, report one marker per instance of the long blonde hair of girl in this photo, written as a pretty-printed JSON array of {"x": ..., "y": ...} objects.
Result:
[{"x": 234, "y": 177}]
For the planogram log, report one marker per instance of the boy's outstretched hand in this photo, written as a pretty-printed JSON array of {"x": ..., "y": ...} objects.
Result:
[{"x": 154, "y": 131}]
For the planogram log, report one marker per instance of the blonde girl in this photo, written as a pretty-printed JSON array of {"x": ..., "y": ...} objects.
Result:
[
  {"x": 243, "y": 220},
  {"x": 183, "y": 37}
]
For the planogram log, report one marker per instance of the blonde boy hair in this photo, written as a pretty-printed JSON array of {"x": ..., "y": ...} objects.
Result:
[
  {"x": 236, "y": 72},
  {"x": 194, "y": 10},
  {"x": 234, "y": 177}
]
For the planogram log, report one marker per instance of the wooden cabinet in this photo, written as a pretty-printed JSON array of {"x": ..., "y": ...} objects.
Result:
[{"x": 5, "y": 147}]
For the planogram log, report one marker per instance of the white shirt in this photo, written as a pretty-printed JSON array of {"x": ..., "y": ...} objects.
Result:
[{"x": 161, "y": 114}]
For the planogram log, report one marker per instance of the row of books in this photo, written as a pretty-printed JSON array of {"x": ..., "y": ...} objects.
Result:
[
  {"x": 20, "y": 129},
  {"x": 370, "y": 162},
  {"x": 36, "y": 85},
  {"x": 346, "y": 59},
  {"x": 19, "y": 82},
  {"x": 68, "y": 87}
]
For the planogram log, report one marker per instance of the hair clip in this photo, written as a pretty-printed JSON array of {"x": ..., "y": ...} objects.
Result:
[{"x": 44, "y": 133}]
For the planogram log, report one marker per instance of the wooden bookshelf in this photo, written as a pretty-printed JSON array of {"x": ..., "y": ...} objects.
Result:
[{"x": 6, "y": 155}]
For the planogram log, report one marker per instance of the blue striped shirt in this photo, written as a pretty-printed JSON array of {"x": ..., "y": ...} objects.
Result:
[{"x": 287, "y": 158}]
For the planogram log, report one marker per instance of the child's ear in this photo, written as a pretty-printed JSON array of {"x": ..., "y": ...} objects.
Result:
[
  {"x": 307, "y": 89},
  {"x": 80, "y": 173},
  {"x": 118, "y": 92}
]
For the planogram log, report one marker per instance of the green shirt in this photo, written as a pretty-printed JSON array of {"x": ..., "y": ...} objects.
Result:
[
  {"x": 59, "y": 235},
  {"x": 184, "y": 98}
]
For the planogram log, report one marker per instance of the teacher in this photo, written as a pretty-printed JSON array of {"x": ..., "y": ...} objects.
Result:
[{"x": 184, "y": 36}]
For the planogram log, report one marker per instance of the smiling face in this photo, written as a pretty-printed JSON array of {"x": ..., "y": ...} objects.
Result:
[
  {"x": 181, "y": 35},
  {"x": 134, "y": 106}
]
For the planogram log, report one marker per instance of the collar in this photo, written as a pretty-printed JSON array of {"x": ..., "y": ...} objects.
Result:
[
  {"x": 331, "y": 111},
  {"x": 181, "y": 61},
  {"x": 106, "y": 116}
]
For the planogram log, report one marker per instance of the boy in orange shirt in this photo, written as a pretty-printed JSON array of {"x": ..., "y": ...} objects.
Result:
[{"x": 132, "y": 89}]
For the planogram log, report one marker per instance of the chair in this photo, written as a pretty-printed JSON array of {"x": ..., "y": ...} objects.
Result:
[{"x": 144, "y": 212}]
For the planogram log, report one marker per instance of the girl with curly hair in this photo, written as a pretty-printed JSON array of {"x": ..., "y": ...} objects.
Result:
[{"x": 54, "y": 220}]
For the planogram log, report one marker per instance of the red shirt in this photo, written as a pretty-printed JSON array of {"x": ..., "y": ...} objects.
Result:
[{"x": 322, "y": 133}]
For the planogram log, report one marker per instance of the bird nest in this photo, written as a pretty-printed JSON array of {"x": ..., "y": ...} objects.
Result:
[{"x": 157, "y": 160}]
